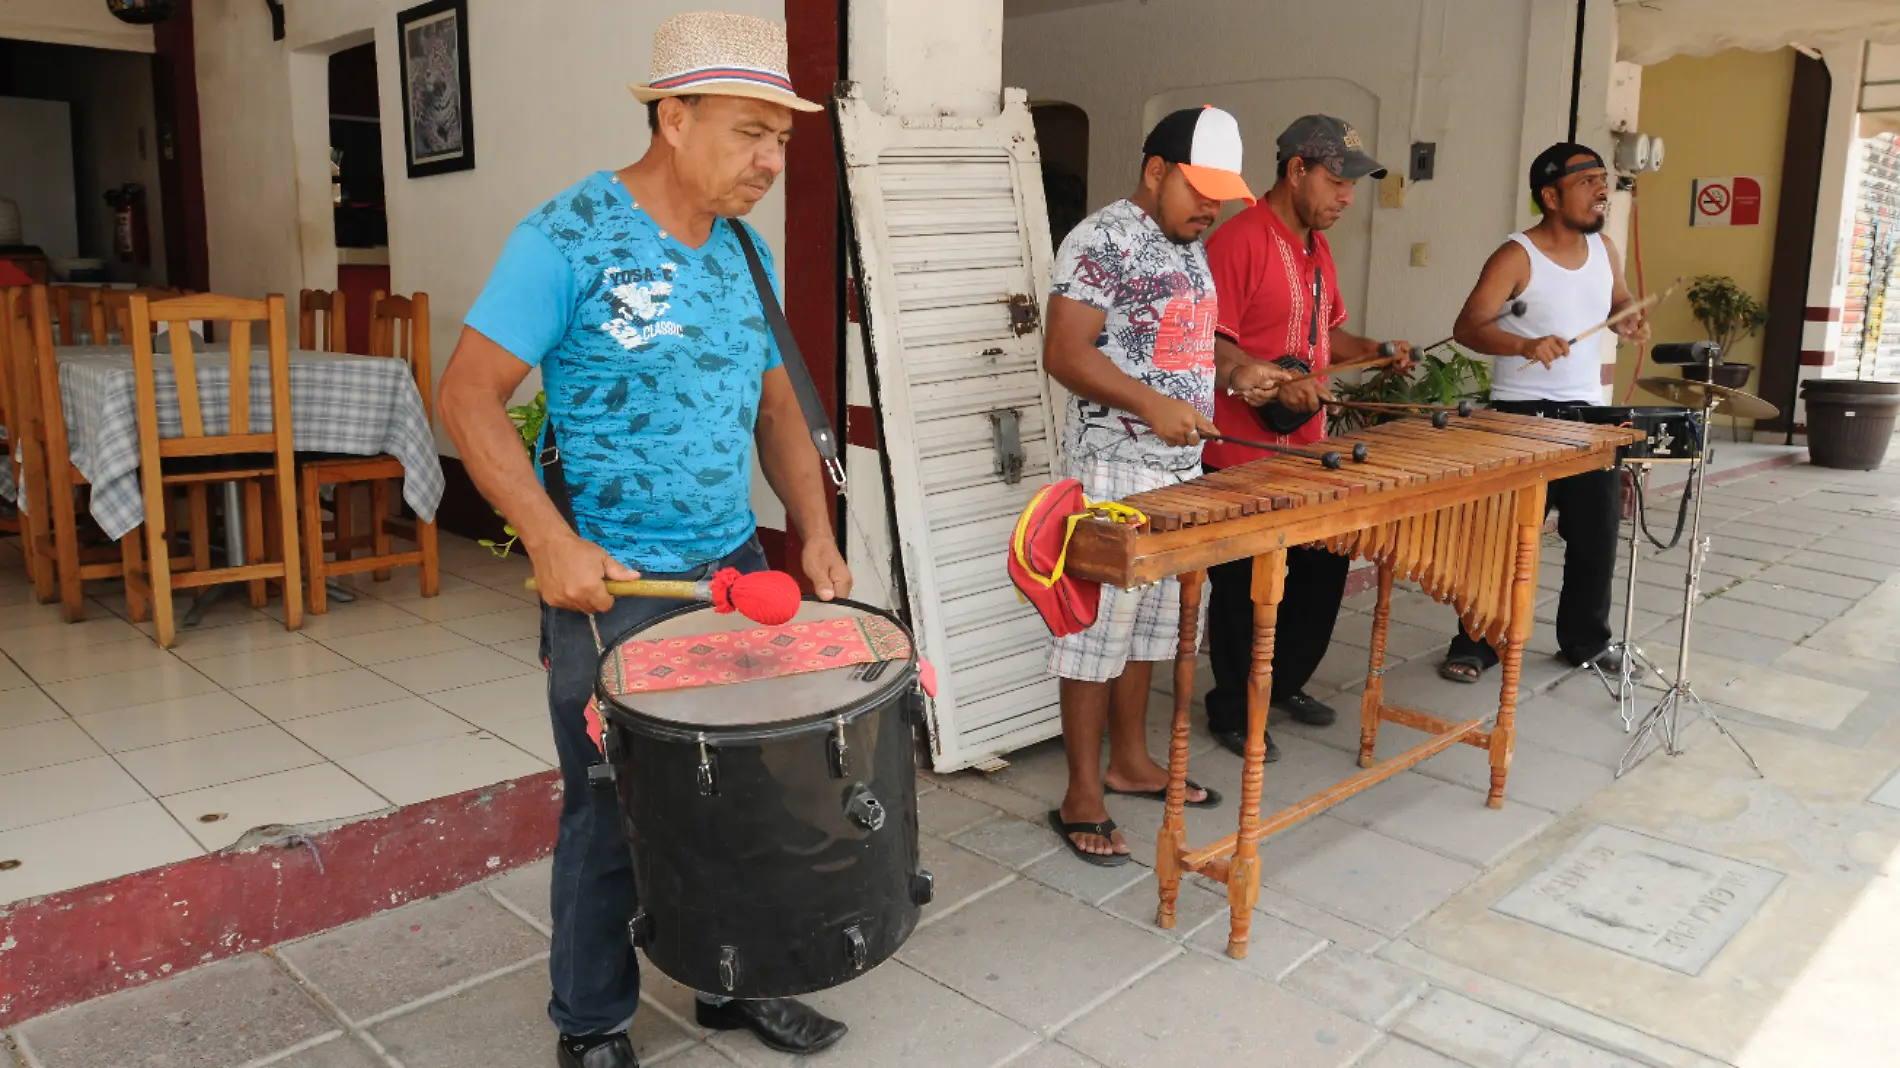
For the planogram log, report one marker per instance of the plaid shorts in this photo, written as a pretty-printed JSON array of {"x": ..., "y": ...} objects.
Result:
[{"x": 1140, "y": 624}]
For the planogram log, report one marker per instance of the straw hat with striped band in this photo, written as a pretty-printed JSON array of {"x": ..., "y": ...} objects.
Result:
[{"x": 720, "y": 54}]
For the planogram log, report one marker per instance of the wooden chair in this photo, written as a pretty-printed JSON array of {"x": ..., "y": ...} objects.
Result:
[
  {"x": 398, "y": 329},
  {"x": 74, "y": 307},
  {"x": 21, "y": 524},
  {"x": 335, "y": 311},
  {"x": 114, "y": 316},
  {"x": 199, "y": 457},
  {"x": 59, "y": 561}
]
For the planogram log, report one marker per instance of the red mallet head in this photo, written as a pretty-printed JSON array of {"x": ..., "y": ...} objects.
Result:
[{"x": 768, "y": 597}]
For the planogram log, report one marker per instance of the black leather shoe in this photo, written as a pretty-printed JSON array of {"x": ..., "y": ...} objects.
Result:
[
  {"x": 1303, "y": 707},
  {"x": 781, "y": 1023},
  {"x": 1235, "y": 742},
  {"x": 591, "y": 1052}
]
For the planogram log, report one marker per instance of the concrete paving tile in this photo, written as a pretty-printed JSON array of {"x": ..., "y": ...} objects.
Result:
[
  {"x": 340, "y": 1052},
  {"x": 1542, "y": 777},
  {"x": 959, "y": 874},
  {"x": 1841, "y": 563},
  {"x": 1888, "y": 794},
  {"x": 1274, "y": 902},
  {"x": 1032, "y": 954},
  {"x": 527, "y": 888},
  {"x": 1580, "y": 719},
  {"x": 1865, "y": 544},
  {"x": 1398, "y": 1053},
  {"x": 1800, "y": 518},
  {"x": 949, "y": 812},
  {"x": 1443, "y": 818},
  {"x": 1460, "y": 1027},
  {"x": 1363, "y": 987},
  {"x": 1200, "y": 1011},
  {"x": 1085, "y": 882},
  {"x": 1367, "y": 877},
  {"x": 1274, "y": 946},
  {"x": 501, "y": 1022},
  {"x": 393, "y": 958},
  {"x": 1807, "y": 578},
  {"x": 978, "y": 787},
  {"x": 1789, "y": 598},
  {"x": 1553, "y": 1050},
  {"x": 222, "y": 1014},
  {"x": 1875, "y": 675},
  {"x": 1199, "y": 901},
  {"x": 1016, "y": 843},
  {"x": 699, "y": 1056},
  {"x": 1053, "y": 1055},
  {"x": 1403, "y": 641},
  {"x": 897, "y": 1017},
  {"x": 1766, "y": 691},
  {"x": 1709, "y": 634}
]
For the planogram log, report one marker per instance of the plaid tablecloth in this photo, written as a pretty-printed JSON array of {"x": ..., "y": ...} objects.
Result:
[{"x": 357, "y": 405}]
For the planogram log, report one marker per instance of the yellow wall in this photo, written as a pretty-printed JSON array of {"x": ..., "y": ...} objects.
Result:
[{"x": 1724, "y": 114}]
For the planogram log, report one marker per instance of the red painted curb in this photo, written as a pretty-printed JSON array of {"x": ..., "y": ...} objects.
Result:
[{"x": 80, "y": 944}]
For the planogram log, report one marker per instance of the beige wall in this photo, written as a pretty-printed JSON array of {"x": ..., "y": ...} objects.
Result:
[
  {"x": 1454, "y": 73},
  {"x": 1725, "y": 114},
  {"x": 550, "y": 104},
  {"x": 71, "y": 22}
]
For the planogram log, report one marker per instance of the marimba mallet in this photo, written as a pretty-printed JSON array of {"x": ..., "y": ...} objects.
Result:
[{"x": 1441, "y": 413}]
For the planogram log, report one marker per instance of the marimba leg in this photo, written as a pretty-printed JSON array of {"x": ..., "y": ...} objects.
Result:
[
  {"x": 1374, "y": 695},
  {"x": 1173, "y": 828},
  {"x": 1530, "y": 525},
  {"x": 1243, "y": 877}
]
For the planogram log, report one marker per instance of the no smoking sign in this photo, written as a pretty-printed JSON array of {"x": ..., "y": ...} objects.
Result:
[{"x": 1733, "y": 200}]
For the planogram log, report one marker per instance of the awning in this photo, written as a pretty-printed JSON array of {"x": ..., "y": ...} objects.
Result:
[{"x": 1650, "y": 31}]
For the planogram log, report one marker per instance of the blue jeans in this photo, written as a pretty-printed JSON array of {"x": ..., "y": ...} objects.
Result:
[{"x": 594, "y": 967}]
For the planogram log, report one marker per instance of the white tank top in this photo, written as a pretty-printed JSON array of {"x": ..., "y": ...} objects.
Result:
[{"x": 1563, "y": 303}]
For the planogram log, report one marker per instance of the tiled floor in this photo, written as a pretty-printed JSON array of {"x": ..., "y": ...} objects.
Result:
[
  {"x": 116, "y": 755},
  {"x": 1377, "y": 940}
]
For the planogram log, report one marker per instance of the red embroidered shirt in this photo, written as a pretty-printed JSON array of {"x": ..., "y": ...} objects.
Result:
[{"x": 1263, "y": 276}]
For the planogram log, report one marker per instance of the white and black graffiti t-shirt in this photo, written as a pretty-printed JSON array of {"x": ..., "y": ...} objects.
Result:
[{"x": 1159, "y": 300}]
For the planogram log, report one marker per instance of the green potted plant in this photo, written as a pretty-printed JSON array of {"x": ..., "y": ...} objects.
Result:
[
  {"x": 1436, "y": 379},
  {"x": 1729, "y": 314},
  {"x": 1850, "y": 420},
  {"x": 528, "y": 419}
]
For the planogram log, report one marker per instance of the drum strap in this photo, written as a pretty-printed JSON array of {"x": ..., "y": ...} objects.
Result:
[{"x": 808, "y": 401}]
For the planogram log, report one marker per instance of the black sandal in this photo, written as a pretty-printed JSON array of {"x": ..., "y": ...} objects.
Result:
[
  {"x": 1212, "y": 800},
  {"x": 1477, "y": 669},
  {"x": 1106, "y": 829}
]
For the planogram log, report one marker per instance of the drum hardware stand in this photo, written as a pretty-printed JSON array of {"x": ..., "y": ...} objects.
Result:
[
  {"x": 1665, "y": 719},
  {"x": 1635, "y": 665}
]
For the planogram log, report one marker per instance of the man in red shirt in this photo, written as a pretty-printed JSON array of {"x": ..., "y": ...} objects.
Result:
[{"x": 1279, "y": 297}]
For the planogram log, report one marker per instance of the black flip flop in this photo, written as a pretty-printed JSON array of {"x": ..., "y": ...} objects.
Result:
[
  {"x": 1212, "y": 800},
  {"x": 1106, "y": 829},
  {"x": 1445, "y": 669}
]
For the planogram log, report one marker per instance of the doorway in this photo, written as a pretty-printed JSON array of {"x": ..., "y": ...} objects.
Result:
[
  {"x": 357, "y": 193},
  {"x": 1062, "y": 135}
]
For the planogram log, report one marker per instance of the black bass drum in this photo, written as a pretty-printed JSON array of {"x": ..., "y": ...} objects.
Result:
[{"x": 773, "y": 821}]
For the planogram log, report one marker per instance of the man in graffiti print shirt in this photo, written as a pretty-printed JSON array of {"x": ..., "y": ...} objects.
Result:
[{"x": 1131, "y": 335}]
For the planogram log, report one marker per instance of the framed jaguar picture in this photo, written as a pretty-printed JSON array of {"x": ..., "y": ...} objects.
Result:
[{"x": 438, "y": 125}]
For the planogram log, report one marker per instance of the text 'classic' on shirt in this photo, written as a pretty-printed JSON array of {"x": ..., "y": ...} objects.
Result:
[
  {"x": 1158, "y": 299},
  {"x": 1265, "y": 277},
  {"x": 652, "y": 354}
]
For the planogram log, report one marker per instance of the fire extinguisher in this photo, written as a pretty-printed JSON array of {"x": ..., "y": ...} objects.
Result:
[{"x": 130, "y": 236}]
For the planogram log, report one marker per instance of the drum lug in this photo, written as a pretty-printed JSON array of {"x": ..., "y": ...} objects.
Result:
[
  {"x": 864, "y": 809},
  {"x": 729, "y": 968},
  {"x": 839, "y": 752},
  {"x": 860, "y": 953},
  {"x": 923, "y": 887},
  {"x": 708, "y": 780}
]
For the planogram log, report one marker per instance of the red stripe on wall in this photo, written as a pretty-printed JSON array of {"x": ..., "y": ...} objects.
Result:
[
  {"x": 1824, "y": 315},
  {"x": 1817, "y": 357},
  {"x": 860, "y": 426}
]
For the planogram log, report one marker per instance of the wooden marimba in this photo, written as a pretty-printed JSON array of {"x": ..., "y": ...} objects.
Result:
[{"x": 1458, "y": 510}]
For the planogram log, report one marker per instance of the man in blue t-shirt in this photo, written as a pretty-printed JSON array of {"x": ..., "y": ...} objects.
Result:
[{"x": 630, "y": 291}]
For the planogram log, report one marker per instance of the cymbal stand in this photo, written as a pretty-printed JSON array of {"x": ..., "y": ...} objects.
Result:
[
  {"x": 1635, "y": 665},
  {"x": 1665, "y": 719}
]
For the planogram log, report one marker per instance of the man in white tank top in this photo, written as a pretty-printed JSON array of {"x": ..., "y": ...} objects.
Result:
[{"x": 1570, "y": 278}]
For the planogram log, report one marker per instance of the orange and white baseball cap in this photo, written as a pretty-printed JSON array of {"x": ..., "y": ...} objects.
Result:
[{"x": 1205, "y": 143}]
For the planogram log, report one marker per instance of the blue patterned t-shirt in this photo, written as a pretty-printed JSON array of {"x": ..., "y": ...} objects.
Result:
[{"x": 652, "y": 354}]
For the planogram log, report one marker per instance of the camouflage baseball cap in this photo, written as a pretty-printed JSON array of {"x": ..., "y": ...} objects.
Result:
[{"x": 1331, "y": 143}]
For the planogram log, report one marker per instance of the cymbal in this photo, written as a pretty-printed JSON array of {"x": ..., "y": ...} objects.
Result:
[{"x": 1691, "y": 394}]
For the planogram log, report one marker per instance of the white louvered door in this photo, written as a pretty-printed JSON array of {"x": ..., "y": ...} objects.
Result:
[{"x": 952, "y": 243}]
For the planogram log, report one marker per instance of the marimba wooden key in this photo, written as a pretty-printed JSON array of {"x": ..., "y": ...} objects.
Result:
[{"x": 1458, "y": 510}]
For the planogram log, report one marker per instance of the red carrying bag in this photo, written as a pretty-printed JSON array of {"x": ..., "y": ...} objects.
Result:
[{"x": 1039, "y": 551}]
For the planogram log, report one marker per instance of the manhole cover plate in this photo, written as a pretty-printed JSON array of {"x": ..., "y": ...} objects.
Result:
[{"x": 1654, "y": 900}]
